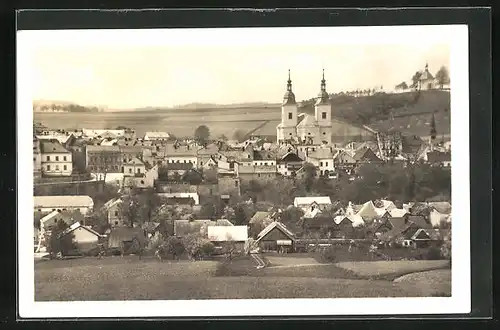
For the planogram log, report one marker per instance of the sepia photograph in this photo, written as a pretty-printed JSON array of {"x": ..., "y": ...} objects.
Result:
[{"x": 244, "y": 171}]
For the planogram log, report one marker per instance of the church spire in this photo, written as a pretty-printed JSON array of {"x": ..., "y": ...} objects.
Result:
[
  {"x": 289, "y": 82},
  {"x": 323, "y": 82}
]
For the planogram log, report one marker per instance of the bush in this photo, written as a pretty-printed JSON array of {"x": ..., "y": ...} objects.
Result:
[
  {"x": 172, "y": 246},
  {"x": 326, "y": 255},
  {"x": 434, "y": 253},
  {"x": 198, "y": 247}
]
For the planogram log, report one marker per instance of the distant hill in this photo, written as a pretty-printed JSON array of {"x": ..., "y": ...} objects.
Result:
[
  {"x": 61, "y": 106},
  {"x": 208, "y": 106},
  {"x": 409, "y": 112}
]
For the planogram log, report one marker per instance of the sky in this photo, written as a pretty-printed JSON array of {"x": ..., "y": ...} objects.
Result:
[{"x": 139, "y": 68}]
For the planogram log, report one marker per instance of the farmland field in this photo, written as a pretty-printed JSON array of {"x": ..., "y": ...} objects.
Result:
[{"x": 133, "y": 279}]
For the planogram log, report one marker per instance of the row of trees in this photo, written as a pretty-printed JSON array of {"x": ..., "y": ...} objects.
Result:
[{"x": 442, "y": 77}]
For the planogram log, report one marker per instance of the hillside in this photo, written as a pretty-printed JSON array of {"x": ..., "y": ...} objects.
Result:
[{"x": 409, "y": 112}]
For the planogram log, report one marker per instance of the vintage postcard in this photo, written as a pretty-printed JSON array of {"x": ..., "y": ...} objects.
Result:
[{"x": 243, "y": 171}]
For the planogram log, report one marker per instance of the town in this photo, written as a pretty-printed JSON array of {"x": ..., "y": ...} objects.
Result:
[{"x": 384, "y": 196}]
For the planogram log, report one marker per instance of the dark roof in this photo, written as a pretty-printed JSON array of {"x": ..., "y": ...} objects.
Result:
[
  {"x": 125, "y": 234},
  {"x": 437, "y": 157},
  {"x": 397, "y": 222},
  {"x": 365, "y": 154},
  {"x": 420, "y": 221},
  {"x": 52, "y": 147},
  {"x": 263, "y": 155},
  {"x": 411, "y": 144}
]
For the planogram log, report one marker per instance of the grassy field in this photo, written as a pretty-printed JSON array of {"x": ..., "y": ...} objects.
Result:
[{"x": 129, "y": 278}]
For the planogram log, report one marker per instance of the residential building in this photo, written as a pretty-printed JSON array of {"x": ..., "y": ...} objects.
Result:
[
  {"x": 181, "y": 197},
  {"x": 206, "y": 155},
  {"x": 366, "y": 155},
  {"x": 111, "y": 211},
  {"x": 322, "y": 159},
  {"x": 55, "y": 159},
  {"x": 262, "y": 174},
  {"x": 344, "y": 161},
  {"x": 289, "y": 163},
  {"x": 308, "y": 203},
  {"x": 276, "y": 237},
  {"x": 130, "y": 152},
  {"x": 156, "y": 136},
  {"x": 69, "y": 217},
  {"x": 135, "y": 167},
  {"x": 82, "y": 203},
  {"x": 103, "y": 159},
  {"x": 219, "y": 235},
  {"x": 437, "y": 158},
  {"x": 228, "y": 184},
  {"x": 184, "y": 154},
  {"x": 84, "y": 238},
  {"x": 264, "y": 158},
  {"x": 103, "y": 133}
]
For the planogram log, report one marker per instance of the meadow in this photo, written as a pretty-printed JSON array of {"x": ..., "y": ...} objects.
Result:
[{"x": 114, "y": 278}]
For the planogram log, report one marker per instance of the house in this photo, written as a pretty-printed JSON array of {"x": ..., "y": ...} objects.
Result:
[
  {"x": 369, "y": 212},
  {"x": 129, "y": 152},
  {"x": 262, "y": 174},
  {"x": 243, "y": 156},
  {"x": 264, "y": 158},
  {"x": 55, "y": 159},
  {"x": 131, "y": 240},
  {"x": 156, "y": 136},
  {"x": 224, "y": 234},
  {"x": 93, "y": 133},
  {"x": 355, "y": 220},
  {"x": 260, "y": 219},
  {"x": 366, "y": 155},
  {"x": 228, "y": 184},
  {"x": 322, "y": 225},
  {"x": 206, "y": 155},
  {"x": 184, "y": 154},
  {"x": 50, "y": 220},
  {"x": 438, "y": 158},
  {"x": 182, "y": 228},
  {"x": 276, "y": 236},
  {"x": 180, "y": 198},
  {"x": 150, "y": 228},
  {"x": 322, "y": 159},
  {"x": 82, "y": 203},
  {"x": 401, "y": 235},
  {"x": 289, "y": 163},
  {"x": 135, "y": 167},
  {"x": 84, "y": 238},
  {"x": 344, "y": 161},
  {"x": 308, "y": 203},
  {"x": 111, "y": 211},
  {"x": 103, "y": 159}
]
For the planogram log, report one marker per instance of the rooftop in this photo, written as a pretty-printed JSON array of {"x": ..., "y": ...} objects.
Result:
[{"x": 52, "y": 147}]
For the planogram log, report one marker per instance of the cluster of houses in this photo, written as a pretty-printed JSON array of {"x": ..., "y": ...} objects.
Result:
[{"x": 407, "y": 225}]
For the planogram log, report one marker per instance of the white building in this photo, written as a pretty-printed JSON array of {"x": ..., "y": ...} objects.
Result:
[
  {"x": 309, "y": 203},
  {"x": 156, "y": 136},
  {"x": 113, "y": 133},
  {"x": 134, "y": 168},
  {"x": 322, "y": 159},
  {"x": 82, "y": 203},
  {"x": 55, "y": 159},
  {"x": 181, "y": 154},
  {"x": 315, "y": 130}
]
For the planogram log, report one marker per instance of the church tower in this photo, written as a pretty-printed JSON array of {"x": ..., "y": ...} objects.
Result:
[
  {"x": 323, "y": 114},
  {"x": 287, "y": 129}
]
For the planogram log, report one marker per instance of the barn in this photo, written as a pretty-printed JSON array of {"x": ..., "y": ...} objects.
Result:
[{"x": 276, "y": 237}]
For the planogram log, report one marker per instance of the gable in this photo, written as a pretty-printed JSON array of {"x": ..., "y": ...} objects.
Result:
[
  {"x": 275, "y": 234},
  {"x": 422, "y": 235},
  {"x": 82, "y": 235}
]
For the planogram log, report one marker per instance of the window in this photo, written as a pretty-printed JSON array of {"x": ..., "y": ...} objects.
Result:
[
  {"x": 320, "y": 163},
  {"x": 290, "y": 134},
  {"x": 201, "y": 163},
  {"x": 48, "y": 167},
  {"x": 57, "y": 167},
  {"x": 116, "y": 223},
  {"x": 290, "y": 115},
  {"x": 309, "y": 133},
  {"x": 323, "y": 115},
  {"x": 265, "y": 164},
  {"x": 48, "y": 158},
  {"x": 65, "y": 167},
  {"x": 116, "y": 213},
  {"x": 64, "y": 158},
  {"x": 142, "y": 181},
  {"x": 138, "y": 170},
  {"x": 57, "y": 158},
  {"x": 34, "y": 159},
  {"x": 130, "y": 170},
  {"x": 326, "y": 164},
  {"x": 324, "y": 133}
]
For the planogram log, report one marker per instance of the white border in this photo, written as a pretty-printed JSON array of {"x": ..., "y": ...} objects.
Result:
[{"x": 455, "y": 35}]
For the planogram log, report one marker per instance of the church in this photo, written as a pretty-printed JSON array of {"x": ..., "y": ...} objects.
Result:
[{"x": 303, "y": 128}]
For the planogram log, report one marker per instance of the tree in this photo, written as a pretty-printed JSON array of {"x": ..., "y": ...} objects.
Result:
[
  {"x": 229, "y": 247},
  {"x": 403, "y": 86},
  {"x": 192, "y": 177},
  {"x": 60, "y": 244},
  {"x": 433, "y": 128},
  {"x": 416, "y": 80},
  {"x": 239, "y": 135},
  {"x": 210, "y": 175},
  {"x": 223, "y": 137},
  {"x": 291, "y": 215},
  {"x": 442, "y": 77},
  {"x": 309, "y": 176},
  {"x": 173, "y": 246},
  {"x": 202, "y": 133},
  {"x": 197, "y": 247}
]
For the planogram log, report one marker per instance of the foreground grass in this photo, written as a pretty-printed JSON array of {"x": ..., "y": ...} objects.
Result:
[
  {"x": 436, "y": 282},
  {"x": 391, "y": 268},
  {"x": 193, "y": 280}
]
